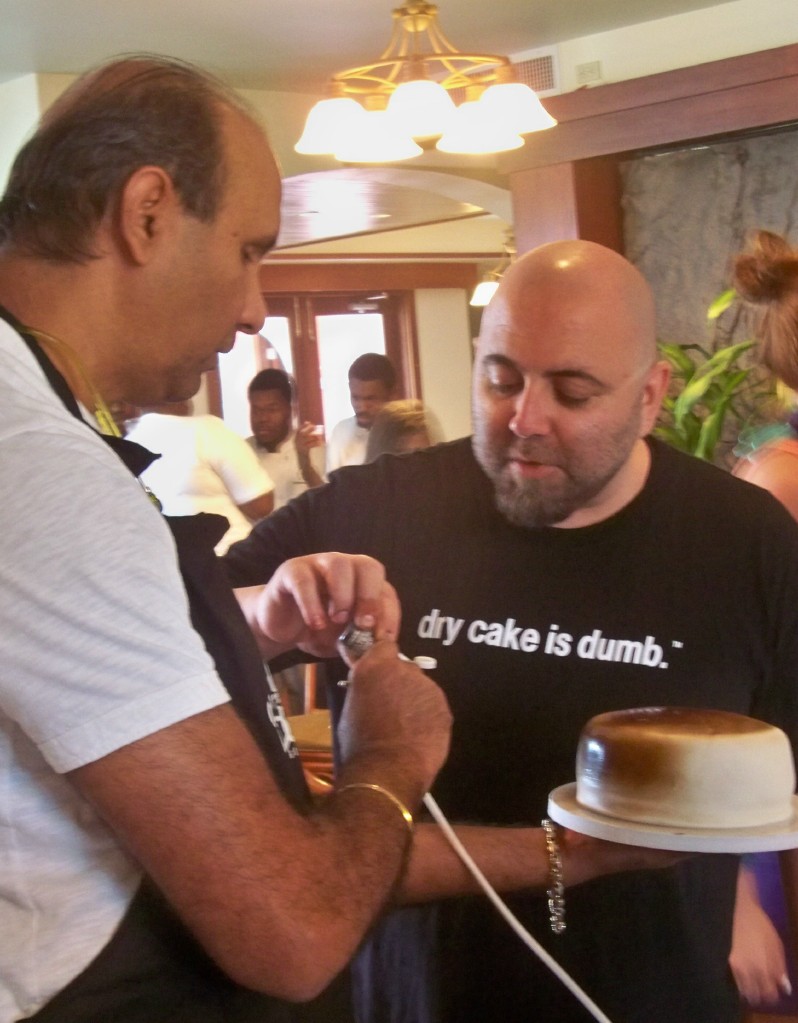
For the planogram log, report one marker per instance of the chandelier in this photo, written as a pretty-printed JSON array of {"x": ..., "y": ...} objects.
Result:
[{"x": 379, "y": 113}]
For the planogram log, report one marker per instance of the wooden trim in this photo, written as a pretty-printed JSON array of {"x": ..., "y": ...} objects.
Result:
[
  {"x": 568, "y": 200},
  {"x": 737, "y": 94},
  {"x": 308, "y": 278}
]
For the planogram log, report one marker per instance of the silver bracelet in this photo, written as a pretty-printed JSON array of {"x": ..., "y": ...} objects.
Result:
[{"x": 556, "y": 890}]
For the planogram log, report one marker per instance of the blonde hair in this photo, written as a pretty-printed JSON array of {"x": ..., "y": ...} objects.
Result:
[
  {"x": 767, "y": 276},
  {"x": 397, "y": 420}
]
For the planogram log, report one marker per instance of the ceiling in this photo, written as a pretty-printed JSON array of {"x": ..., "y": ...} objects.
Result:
[
  {"x": 292, "y": 44},
  {"x": 295, "y": 45}
]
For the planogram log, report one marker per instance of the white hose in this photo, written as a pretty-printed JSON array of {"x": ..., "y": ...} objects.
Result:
[{"x": 512, "y": 920}]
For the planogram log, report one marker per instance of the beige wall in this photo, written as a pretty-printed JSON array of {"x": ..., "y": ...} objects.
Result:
[
  {"x": 714, "y": 33},
  {"x": 445, "y": 357},
  {"x": 19, "y": 112}
]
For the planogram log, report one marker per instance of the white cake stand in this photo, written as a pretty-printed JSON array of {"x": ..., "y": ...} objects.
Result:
[{"x": 564, "y": 810}]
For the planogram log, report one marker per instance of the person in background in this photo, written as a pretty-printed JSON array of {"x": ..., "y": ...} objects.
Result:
[
  {"x": 161, "y": 858},
  {"x": 293, "y": 458},
  {"x": 766, "y": 277},
  {"x": 372, "y": 380},
  {"x": 402, "y": 426},
  {"x": 559, "y": 564},
  {"x": 204, "y": 467}
]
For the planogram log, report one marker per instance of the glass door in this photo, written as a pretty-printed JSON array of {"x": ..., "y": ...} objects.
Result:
[{"x": 315, "y": 338}]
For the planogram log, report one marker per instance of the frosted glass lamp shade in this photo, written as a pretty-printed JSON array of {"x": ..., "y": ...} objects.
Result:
[
  {"x": 376, "y": 142},
  {"x": 328, "y": 122},
  {"x": 474, "y": 130},
  {"x": 516, "y": 107},
  {"x": 484, "y": 292},
  {"x": 421, "y": 108}
]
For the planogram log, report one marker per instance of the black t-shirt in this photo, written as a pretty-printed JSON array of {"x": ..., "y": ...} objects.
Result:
[{"x": 685, "y": 597}]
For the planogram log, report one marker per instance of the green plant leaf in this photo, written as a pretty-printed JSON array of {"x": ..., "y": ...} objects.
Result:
[
  {"x": 711, "y": 429},
  {"x": 707, "y": 375},
  {"x": 677, "y": 356},
  {"x": 721, "y": 304}
]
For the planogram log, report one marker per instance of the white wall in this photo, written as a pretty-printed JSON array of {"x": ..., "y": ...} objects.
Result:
[
  {"x": 445, "y": 356},
  {"x": 683, "y": 40},
  {"x": 19, "y": 112}
]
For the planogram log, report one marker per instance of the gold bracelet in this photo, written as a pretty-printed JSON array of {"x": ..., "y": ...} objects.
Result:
[
  {"x": 556, "y": 891},
  {"x": 406, "y": 814}
]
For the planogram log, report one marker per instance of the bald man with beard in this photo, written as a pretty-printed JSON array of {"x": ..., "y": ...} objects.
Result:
[{"x": 559, "y": 564}]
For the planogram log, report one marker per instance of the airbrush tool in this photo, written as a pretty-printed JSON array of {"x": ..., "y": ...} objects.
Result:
[{"x": 354, "y": 642}]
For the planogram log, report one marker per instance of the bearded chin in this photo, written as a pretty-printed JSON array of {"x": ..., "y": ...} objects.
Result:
[{"x": 530, "y": 506}]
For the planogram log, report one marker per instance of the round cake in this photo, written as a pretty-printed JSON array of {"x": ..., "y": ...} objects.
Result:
[{"x": 685, "y": 767}]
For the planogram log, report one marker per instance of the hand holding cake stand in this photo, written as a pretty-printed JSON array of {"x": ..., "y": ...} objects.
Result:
[{"x": 682, "y": 779}]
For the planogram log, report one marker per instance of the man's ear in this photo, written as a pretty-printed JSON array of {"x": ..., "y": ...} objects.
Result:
[
  {"x": 147, "y": 206},
  {"x": 654, "y": 391}
]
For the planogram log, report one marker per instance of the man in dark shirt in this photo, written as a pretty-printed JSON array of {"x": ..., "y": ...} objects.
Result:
[{"x": 557, "y": 565}]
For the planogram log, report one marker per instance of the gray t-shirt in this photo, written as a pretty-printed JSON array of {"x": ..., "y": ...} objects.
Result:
[{"x": 98, "y": 651}]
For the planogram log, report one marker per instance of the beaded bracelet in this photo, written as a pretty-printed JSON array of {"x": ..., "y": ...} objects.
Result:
[
  {"x": 556, "y": 890},
  {"x": 406, "y": 814}
]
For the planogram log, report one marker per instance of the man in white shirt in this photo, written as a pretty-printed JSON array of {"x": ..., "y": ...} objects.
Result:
[
  {"x": 372, "y": 380},
  {"x": 293, "y": 458},
  {"x": 154, "y": 863},
  {"x": 204, "y": 467}
]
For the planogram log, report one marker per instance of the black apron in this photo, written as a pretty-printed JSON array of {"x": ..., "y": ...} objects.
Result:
[{"x": 153, "y": 970}]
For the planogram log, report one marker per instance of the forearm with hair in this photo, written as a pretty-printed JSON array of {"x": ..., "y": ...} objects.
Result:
[{"x": 279, "y": 899}]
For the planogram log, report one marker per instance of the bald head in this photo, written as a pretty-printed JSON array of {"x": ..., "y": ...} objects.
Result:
[{"x": 583, "y": 282}]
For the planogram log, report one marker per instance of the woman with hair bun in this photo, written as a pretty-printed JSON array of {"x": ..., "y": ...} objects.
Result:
[{"x": 766, "y": 276}]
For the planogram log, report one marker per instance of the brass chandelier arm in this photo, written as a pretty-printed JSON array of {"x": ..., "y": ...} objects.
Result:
[{"x": 451, "y": 70}]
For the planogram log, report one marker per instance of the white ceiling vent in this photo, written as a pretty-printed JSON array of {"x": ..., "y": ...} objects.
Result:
[{"x": 540, "y": 70}]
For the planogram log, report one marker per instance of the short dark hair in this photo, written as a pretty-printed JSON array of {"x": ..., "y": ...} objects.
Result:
[
  {"x": 272, "y": 380},
  {"x": 372, "y": 366},
  {"x": 126, "y": 114}
]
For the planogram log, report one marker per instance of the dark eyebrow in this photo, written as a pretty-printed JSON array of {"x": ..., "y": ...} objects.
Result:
[
  {"x": 576, "y": 374},
  {"x": 553, "y": 374},
  {"x": 500, "y": 360}
]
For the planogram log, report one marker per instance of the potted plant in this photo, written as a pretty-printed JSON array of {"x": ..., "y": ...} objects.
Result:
[{"x": 717, "y": 391}]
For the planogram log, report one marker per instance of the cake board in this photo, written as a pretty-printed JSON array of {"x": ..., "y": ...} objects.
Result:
[{"x": 565, "y": 810}]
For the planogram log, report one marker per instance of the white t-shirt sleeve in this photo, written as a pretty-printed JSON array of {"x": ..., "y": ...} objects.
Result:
[
  {"x": 98, "y": 647},
  {"x": 335, "y": 446},
  {"x": 235, "y": 462},
  {"x": 318, "y": 459}
]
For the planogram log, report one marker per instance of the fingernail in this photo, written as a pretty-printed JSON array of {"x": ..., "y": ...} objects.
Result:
[
  {"x": 366, "y": 621},
  {"x": 785, "y": 985}
]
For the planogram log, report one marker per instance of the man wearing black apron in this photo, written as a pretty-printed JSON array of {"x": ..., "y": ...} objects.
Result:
[{"x": 194, "y": 879}]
